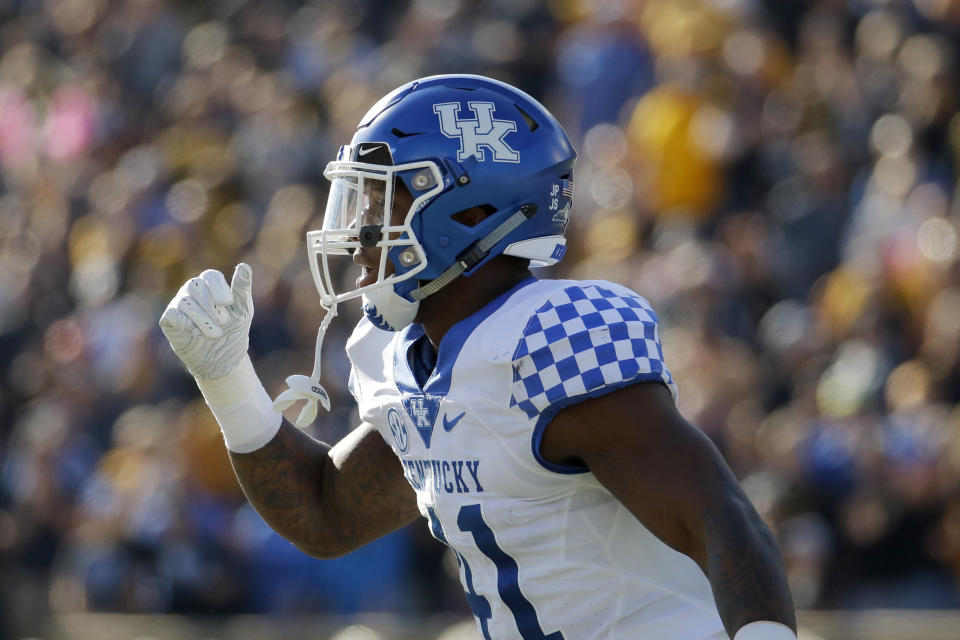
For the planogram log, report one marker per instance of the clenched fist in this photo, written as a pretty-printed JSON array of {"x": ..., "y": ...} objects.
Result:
[{"x": 208, "y": 322}]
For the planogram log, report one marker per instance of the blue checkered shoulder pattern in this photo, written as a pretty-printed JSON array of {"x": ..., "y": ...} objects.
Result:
[{"x": 584, "y": 341}]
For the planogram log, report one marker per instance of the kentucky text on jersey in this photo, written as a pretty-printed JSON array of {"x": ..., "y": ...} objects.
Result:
[{"x": 449, "y": 476}]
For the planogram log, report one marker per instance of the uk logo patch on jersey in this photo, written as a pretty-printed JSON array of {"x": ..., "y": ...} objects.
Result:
[
  {"x": 423, "y": 410},
  {"x": 483, "y": 132}
]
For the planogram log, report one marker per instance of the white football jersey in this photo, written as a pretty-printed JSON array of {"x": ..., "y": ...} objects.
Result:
[{"x": 545, "y": 551}]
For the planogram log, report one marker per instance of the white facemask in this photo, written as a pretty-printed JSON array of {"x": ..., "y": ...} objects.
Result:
[{"x": 360, "y": 201}]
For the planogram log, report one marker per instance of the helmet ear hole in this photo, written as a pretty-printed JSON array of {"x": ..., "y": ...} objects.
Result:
[{"x": 474, "y": 215}]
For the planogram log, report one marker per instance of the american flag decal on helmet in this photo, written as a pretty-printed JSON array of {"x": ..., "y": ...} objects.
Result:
[{"x": 567, "y": 189}]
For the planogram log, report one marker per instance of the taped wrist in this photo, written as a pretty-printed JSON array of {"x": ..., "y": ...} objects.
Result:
[
  {"x": 765, "y": 630},
  {"x": 242, "y": 408}
]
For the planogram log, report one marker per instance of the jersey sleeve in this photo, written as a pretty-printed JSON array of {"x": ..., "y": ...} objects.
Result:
[{"x": 583, "y": 342}]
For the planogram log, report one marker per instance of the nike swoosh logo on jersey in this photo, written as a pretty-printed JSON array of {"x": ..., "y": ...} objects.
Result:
[{"x": 448, "y": 425}]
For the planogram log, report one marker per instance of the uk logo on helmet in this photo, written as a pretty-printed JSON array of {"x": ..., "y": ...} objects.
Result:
[{"x": 483, "y": 131}]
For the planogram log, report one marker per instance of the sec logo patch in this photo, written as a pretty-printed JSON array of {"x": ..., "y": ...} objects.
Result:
[{"x": 398, "y": 430}]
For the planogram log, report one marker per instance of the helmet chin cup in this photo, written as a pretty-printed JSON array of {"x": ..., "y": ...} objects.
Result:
[{"x": 388, "y": 310}]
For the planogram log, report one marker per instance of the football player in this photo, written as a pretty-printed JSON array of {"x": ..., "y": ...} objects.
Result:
[{"x": 533, "y": 423}]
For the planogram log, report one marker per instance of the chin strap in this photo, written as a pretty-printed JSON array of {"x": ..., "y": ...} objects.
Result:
[
  {"x": 476, "y": 253},
  {"x": 303, "y": 388}
]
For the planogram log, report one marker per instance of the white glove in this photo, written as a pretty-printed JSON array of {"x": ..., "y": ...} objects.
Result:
[
  {"x": 208, "y": 326},
  {"x": 208, "y": 323}
]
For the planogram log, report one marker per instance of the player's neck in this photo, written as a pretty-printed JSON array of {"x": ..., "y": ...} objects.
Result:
[{"x": 465, "y": 296}]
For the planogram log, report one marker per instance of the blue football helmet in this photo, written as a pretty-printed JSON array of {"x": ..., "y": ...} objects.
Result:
[{"x": 455, "y": 142}]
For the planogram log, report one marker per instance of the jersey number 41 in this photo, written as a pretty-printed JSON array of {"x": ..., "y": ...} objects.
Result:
[{"x": 470, "y": 520}]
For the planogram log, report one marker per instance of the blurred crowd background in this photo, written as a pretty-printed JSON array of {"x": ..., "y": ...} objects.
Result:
[{"x": 778, "y": 178}]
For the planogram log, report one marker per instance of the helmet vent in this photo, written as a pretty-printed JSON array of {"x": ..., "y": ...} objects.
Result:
[
  {"x": 532, "y": 124},
  {"x": 474, "y": 215},
  {"x": 404, "y": 134}
]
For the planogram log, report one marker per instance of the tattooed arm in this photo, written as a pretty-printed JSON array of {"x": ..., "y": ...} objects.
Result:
[
  {"x": 676, "y": 483},
  {"x": 327, "y": 501}
]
